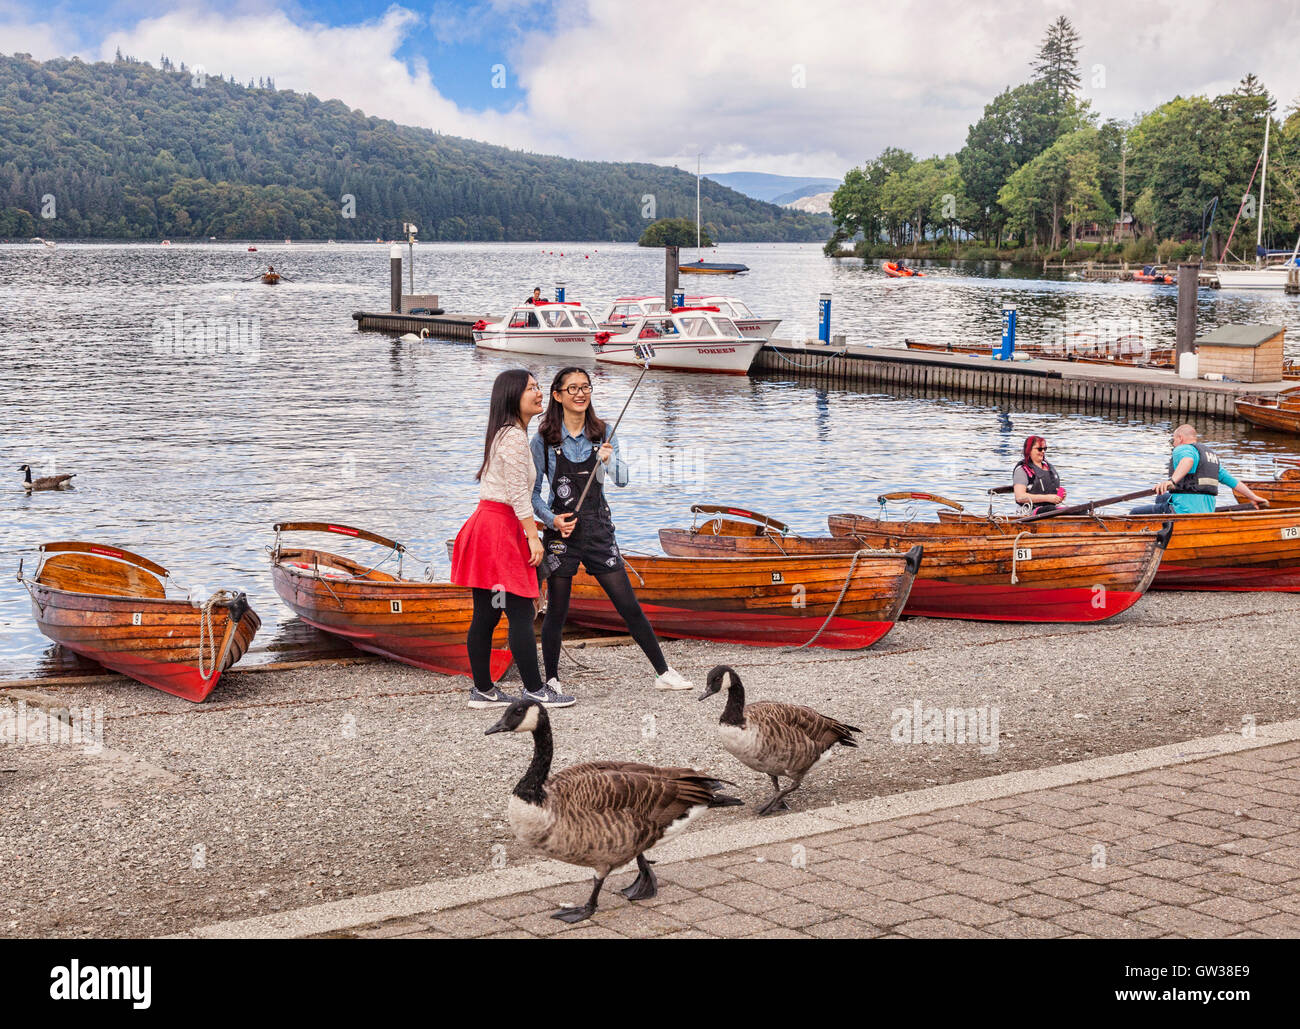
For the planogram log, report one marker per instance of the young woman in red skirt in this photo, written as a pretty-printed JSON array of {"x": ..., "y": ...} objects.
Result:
[{"x": 498, "y": 549}]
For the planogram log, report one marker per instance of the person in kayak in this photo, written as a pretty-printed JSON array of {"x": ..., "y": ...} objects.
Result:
[
  {"x": 497, "y": 549},
  {"x": 571, "y": 445},
  {"x": 1037, "y": 486},
  {"x": 1192, "y": 486}
]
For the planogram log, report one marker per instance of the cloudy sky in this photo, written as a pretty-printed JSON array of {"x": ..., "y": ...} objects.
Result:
[{"x": 808, "y": 88}]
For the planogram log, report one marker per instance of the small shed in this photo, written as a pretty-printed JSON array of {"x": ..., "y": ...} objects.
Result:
[{"x": 1244, "y": 353}]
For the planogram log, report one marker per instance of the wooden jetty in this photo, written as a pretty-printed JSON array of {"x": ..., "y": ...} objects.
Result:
[
  {"x": 437, "y": 326},
  {"x": 1093, "y": 387}
]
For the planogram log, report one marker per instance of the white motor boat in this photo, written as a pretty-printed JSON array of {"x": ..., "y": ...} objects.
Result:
[
  {"x": 685, "y": 340},
  {"x": 623, "y": 311},
  {"x": 1253, "y": 278},
  {"x": 551, "y": 328},
  {"x": 750, "y": 325}
]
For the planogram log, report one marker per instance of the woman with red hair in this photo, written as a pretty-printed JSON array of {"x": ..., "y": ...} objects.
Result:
[{"x": 1037, "y": 486}]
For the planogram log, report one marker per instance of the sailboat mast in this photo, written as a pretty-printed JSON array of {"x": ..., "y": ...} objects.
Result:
[
  {"x": 697, "y": 204},
  {"x": 1259, "y": 232}
]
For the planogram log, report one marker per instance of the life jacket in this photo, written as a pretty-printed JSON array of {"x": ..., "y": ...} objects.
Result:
[
  {"x": 1204, "y": 478},
  {"x": 1041, "y": 480}
]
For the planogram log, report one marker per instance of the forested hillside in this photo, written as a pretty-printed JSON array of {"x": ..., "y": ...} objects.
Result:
[
  {"x": 1039, "y": 172},
  {"x": 124, "y": 150}
]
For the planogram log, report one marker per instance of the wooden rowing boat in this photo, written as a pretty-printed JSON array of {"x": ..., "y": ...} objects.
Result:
[
  {"x": 1281, "y": 414},
  {"x": 843, "y": 601},
  {"x": 1065, "y": 577},
  {"x": 270, "y": 278},
  {"x": 418, "y": 623},
  {"x": 111, "y": 606},
  {"x": 1228, "y": 551}
]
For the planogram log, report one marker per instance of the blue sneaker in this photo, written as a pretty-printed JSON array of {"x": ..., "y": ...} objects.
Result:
[
  {"x": 496, "y": 698},
  {"x": 550, "y": 696}
]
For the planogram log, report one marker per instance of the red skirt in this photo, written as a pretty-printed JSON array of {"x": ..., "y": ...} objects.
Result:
[{"x": 491, "y": 552}]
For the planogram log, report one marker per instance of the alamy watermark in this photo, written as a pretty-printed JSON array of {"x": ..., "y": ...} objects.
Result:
[
  {"x": 953, "y": 726},
  {"x": 220, "y": 336},
  {"x": 60, "y": 726}
]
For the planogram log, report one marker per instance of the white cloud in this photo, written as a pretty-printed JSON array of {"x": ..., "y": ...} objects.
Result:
[{"x": 612, "y": 80}]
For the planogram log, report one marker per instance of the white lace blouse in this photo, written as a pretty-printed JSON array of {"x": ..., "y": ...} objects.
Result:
[{"x": 510, "y": 474}]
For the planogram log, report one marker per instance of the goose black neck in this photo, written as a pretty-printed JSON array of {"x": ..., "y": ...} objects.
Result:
[
  {"x": 734, "y": 712},
  {"x": 28, "y": 477},
  {"x": 530, "y": 787}
]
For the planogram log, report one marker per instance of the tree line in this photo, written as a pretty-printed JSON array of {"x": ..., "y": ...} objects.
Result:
[
  {"x": 1039, "y": 170},
  {"x": 123, "y": 150}
]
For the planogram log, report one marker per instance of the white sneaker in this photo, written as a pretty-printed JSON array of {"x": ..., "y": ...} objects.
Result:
[{"x": 670, "y": 680}]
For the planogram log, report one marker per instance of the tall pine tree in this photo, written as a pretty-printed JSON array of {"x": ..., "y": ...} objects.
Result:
[{"x": 1057, "y": 64}]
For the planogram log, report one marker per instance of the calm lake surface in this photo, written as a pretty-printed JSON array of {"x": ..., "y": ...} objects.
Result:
[{"x": 188, "y": 458}]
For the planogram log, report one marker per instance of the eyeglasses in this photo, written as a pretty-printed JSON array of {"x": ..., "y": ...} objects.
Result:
[
  {"x": 534, "y": 387},
  {"x": 577, "y": 391},
  {"x": 1041, "y": 446}
]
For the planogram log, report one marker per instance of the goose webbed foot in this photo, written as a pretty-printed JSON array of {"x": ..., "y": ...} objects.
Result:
[
  {"x": 646, "y": 885},
  {"x": 581, "y": 914},
  {"x": 777, "y": 801}
]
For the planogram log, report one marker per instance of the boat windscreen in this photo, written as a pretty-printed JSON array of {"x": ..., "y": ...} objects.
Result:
[
  {"x": 698, "y": 327},
  {"x": 739, "y": 310},
  {"x": 726, "y": 326},
  {"x": 555, "y": 318},
  {"x": 582, "y": 319}
]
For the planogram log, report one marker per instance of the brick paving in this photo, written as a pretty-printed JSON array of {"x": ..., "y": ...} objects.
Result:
[{"x": 1209, "y": 848}]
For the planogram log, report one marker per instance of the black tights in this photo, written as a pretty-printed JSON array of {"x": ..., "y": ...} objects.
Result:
[
  {"x": 619, "y": 589},
  {"x": 523, "y": 643}
]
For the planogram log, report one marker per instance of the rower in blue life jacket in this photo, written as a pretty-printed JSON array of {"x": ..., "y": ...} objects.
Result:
[
  {"x": 1195, "y": 472},
  {"x": 1037, "y": 486}
]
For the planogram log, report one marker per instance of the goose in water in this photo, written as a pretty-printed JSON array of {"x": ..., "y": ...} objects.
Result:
[
  {"x": 46, "y": 481},
  {"x": 772, "y": 738},
  {"x": 601, "y": 814}
]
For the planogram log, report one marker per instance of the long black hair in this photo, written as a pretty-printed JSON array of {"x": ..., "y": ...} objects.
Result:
[
  {"x": 553, "y": 416},
  {"x": 507, "y": 391}
]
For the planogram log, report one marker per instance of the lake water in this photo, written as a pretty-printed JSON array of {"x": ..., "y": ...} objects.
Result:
[{"x": 188, "y": 458}]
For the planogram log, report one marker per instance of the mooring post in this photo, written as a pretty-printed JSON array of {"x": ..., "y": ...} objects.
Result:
[
  {"x": 395, "y": 278},
  {"x": 1008, "y": 332},
  {"x": 559, "y": 292},
  {"x": 670, "y": 274},
  {"x": 1189, "y": 275},
  {"x": 824, "y": 318}
]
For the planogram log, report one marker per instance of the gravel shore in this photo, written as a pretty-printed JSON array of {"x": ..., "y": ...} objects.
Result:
[{"x": 289, "y": 788}]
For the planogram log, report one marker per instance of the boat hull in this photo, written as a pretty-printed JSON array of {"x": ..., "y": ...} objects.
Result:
[
  {"x": 418, "y": 623},
  {"x": 572, "y": 346},
  {"x": 1065, "y": 578},
  {"x": 1229, "y": 552},
  {"x": 760, "y": 601},
  {"x": 1283, "y": 417},
  {"x": 720, "y": 357},
  {"x": 1264, "y": 278},
  {"x": 154, "y": 641}
]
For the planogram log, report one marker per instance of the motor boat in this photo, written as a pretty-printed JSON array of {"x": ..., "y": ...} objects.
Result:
[
  {"x": 551, "y": 328},
  {"x": 687, "y": 339}
]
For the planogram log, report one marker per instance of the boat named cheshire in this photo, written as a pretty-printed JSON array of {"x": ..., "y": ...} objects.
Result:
[{"x": 563, "y": 329}]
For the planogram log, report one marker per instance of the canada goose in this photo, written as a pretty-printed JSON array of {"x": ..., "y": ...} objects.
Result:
[
  {"x": 47, "y": 481},
  {"x": 776, "y": 739},
  {"x": 601, "y": 814}
]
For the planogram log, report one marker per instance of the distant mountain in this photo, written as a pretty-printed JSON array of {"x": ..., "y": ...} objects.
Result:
[
  {"x": 775, "y": 189},
  {"x": 126, "y": 151},
  {"x": 813, "y": 203}
]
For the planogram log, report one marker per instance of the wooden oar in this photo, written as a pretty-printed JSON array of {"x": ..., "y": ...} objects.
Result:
[{"x": 1085, "y": 508}]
